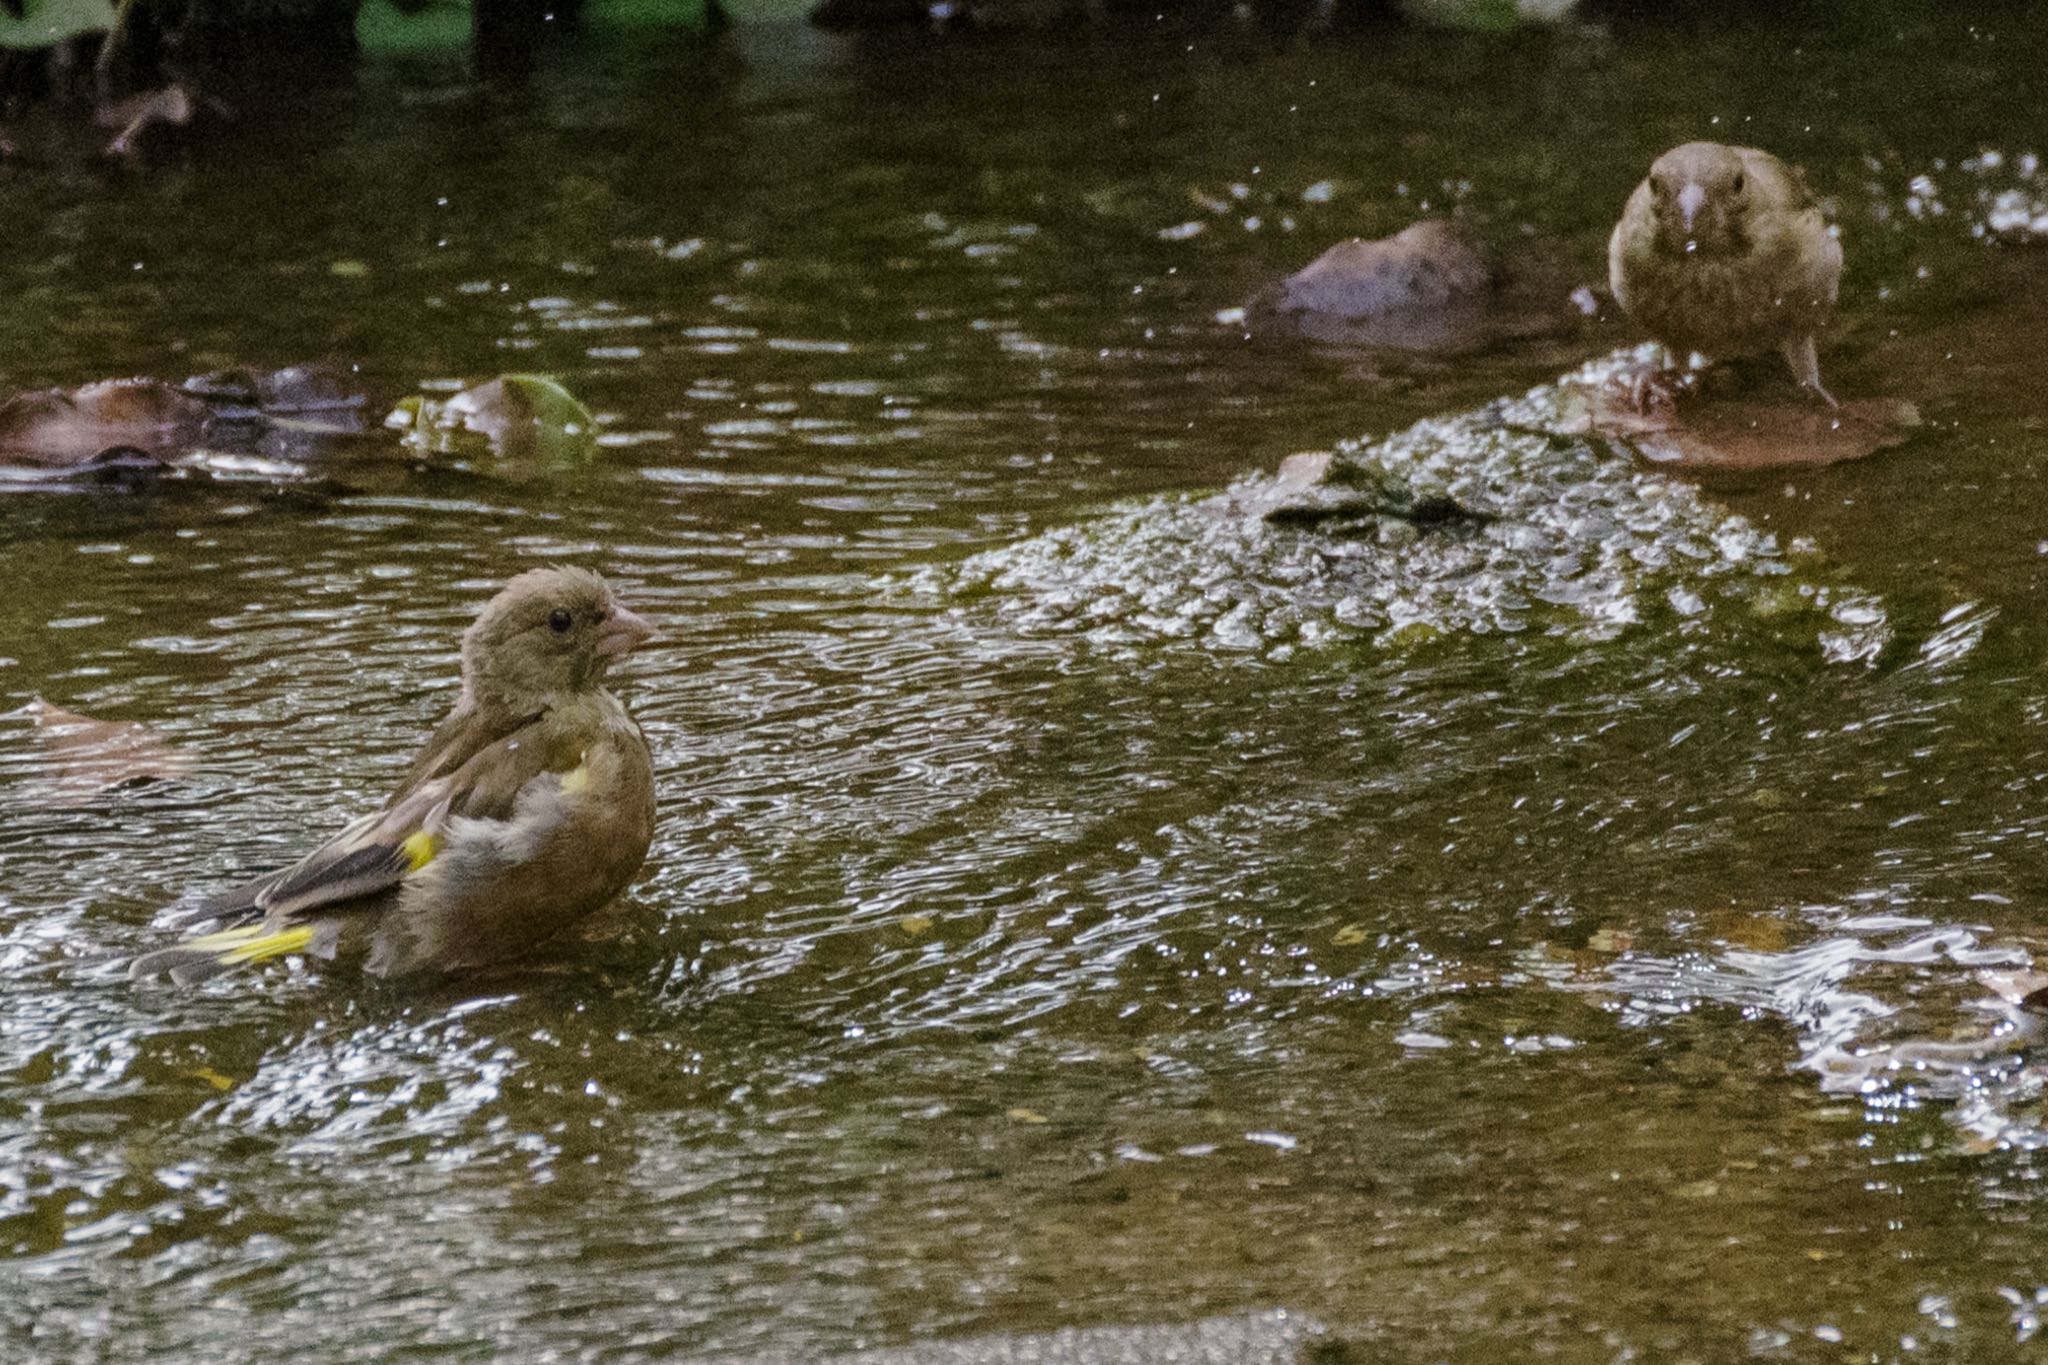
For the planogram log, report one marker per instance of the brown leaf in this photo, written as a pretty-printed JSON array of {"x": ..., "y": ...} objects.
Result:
[
  {"x": 1708, "y": 433},
  {"x": 83, "y": 758},
  {"x": 54, "y": 429}
]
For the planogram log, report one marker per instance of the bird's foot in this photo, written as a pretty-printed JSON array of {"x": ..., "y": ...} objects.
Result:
[
  {"x": 1815, "y": 390},
  {"x": 1655, "y": 391}
]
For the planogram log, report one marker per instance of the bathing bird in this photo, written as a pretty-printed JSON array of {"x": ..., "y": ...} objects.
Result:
[
  {"x": 1722, "y": 250},
  {"x": 527, "y": 809}
]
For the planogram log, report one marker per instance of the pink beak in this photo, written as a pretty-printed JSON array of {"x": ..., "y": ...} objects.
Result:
[
  {"x": 1691, "y": 200},
  {"x": 623, "y": 632}
]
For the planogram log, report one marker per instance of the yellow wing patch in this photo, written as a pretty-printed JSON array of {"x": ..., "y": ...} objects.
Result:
[
  {"x": 419, "y": 849},
  {"x": 254, "y": 943},
  {"x": 576, "y": 781}
]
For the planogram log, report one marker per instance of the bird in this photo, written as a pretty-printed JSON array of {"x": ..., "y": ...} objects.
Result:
[
  {"x": 529, "y": 807},
  {"x": 1723, "y": 250}
]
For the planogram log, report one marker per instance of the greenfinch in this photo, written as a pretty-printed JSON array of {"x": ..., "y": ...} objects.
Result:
[
  {"x": 529, "y": 808},
  {"x": 1722, "y": 250}
]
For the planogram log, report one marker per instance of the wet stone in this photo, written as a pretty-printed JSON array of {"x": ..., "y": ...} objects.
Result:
[
  {"x": 241, "y": 392},
  {"x": 1431, "y": 287},
  {"x": 51, "y": 428},
  {"x": 129, "y": 430},
  {"x": 1504, "y": 519},
  {"x": 1276, "y": 1337}
]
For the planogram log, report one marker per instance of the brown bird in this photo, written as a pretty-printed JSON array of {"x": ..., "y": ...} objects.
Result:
[
  {"x": 529, "y": 808},
  {"x": 1722, "y": 250}
]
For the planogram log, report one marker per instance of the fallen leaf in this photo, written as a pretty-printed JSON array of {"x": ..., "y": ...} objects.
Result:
[
  {"x": 1707, "y": 432},
  {"x": 1611, "y": 941},
  {"x": 84, "y": 758},
  {"x": 519, "y": 416}
]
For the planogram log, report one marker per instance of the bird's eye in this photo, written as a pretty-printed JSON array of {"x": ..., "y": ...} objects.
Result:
[
  {"x": 1738, "y": 182},
  {"x": 559, "y": 620}
]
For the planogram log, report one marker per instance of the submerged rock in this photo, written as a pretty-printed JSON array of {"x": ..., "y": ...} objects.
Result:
[
  {"x": 1430, "y": 287},
  {"x": 1889, "y": 1008},
  {"x": 142, "y": 125},
  {"x": 1316, "y": 492},
  {"x": 53, "y": 429},
  {"x": 1276, "y": 1337},
  {"x": 156, "y": 118},
  {"x": 296, "y": 389},
  {"x": 242, "y": 420},
  {"x": 1531, "y": 526}
]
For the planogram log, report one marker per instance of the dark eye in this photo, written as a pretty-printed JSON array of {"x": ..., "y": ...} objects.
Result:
[
  {"x": 1738, "y": 182},
  {"x": 559, "y": 620}
]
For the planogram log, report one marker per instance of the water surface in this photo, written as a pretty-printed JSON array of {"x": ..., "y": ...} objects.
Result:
[{"x": 988, "y": 976}]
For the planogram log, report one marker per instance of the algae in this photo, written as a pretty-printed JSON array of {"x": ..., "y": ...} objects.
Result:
[{"x": 1494, "y": 521}]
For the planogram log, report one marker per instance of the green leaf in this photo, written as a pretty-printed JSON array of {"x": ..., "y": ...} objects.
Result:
[
  {"x": 519, "y": 416},
  {"x": 45, "y": 23}
]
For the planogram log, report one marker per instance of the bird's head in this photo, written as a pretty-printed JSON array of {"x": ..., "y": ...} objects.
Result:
[
  {"x": 547, "y": 635},
  {"x": 1700, "y": 194}
]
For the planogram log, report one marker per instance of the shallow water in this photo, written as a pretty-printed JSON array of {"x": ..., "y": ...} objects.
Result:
[{"x": 1000, "y": 967}]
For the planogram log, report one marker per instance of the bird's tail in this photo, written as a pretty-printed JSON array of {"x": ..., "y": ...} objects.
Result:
[
  {"x": 241, "y": 904},
  {"x": 207, "y": 956}
]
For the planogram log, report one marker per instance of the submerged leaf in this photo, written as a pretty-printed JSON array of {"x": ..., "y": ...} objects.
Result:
[
  {"x": 84, "y": 758},
  {"x": 519, "y": 416}
]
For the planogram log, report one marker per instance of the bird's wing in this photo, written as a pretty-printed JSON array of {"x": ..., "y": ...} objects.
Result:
[
  {"x": 380, "y": 850},
  {"x": 572, "y": 840},
  {"x": 1773, "y": 184},
  {"x": 465, "y": 733}
]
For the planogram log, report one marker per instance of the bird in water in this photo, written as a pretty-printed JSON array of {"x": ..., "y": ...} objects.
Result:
[
  {"x": 528, "y": 808},
  {"x": 1722, "y": 250}
]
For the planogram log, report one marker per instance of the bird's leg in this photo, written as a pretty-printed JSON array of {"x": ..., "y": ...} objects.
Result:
[
  {"x": 1655, "y": 388},
  {"x": 1804, "y": 359}
]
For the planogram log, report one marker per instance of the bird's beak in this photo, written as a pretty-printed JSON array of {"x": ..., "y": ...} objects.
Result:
[
  {"x": 1691, "y": 200},
  {"x": 623, "y": 632}
]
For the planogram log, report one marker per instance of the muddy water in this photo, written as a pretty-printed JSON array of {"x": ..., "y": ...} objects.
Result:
[{"x": 1610, "y": 982}]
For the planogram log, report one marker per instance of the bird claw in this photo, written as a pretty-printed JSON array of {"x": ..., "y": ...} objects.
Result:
[{"x": 1655, "y": 392}]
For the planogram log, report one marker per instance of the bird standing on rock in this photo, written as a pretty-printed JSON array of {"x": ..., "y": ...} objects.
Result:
[
  {"x": 529, "y": 808},
  {"x": 1722, "y": 250}
]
